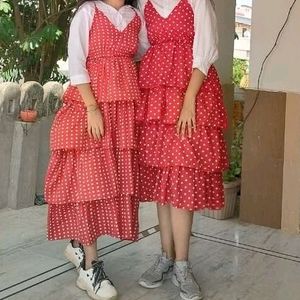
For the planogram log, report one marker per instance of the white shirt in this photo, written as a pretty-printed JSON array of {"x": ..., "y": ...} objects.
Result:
[
  {"x": 78, "y": 43},
  {"x": 205, "y": 49}
]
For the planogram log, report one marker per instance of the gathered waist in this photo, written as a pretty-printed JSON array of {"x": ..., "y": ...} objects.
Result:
[
  {"x": 167, "y": 64},
  {"x": 178, "y": 42},
  {"x": 100, "y": 59}
]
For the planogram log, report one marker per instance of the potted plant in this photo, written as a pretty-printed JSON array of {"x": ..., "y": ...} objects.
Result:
[
  {"x": 31, "y": 101},
  {"x": 28, "y": 115},
  {"x": 232, "y": 179}
]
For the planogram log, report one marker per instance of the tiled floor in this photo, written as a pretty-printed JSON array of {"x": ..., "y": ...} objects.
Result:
[{"x": 232, "y": 261}]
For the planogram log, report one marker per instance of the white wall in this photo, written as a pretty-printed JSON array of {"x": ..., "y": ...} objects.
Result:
[
  {"x": 225, "y": 11},
  {"x": 242, "y": 48},
  {"x": 282, "y": 72}
]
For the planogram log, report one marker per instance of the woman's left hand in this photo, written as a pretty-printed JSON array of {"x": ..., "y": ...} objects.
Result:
[{"x": 187, "y": 119}]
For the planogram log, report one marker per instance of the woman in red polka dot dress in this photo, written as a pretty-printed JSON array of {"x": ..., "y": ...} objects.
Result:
[
  {"x": 92, "y": 172},
  {"x": 181, "y": 118}
]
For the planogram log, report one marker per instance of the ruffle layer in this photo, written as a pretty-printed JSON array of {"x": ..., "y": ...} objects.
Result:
[
  {"x": 160, "y": 146},
  {"x": 85, "y": 222},
  {"x": 182, "y": 187},
  {"x": 164, "y": 103},
  {"x": 69, "y": 129},
  {"x": 95, "y": 174}
]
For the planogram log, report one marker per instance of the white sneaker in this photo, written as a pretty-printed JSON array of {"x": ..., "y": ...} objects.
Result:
[
  {"x": 96, "y": 283},
  {"x": 74, "y": 254}
]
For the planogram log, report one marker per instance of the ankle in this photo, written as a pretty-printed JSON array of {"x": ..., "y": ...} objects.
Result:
[
  {"x": 89, "y": 263},
  {"x": 90, "y": 252},
  {"x": 182, "y": 266},
  {"x": 168, "y": 254},
  {"x": 181, "y": 259},
  {"x": 75, "y": 244}
]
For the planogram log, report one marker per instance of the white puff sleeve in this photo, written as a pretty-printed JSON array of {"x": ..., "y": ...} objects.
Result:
[
  {"x": 205, "y": 49},
  {"x": 141, "y": 6},
  {"x": 143, "y": 38},
  {"x": 78, "y": 44}
]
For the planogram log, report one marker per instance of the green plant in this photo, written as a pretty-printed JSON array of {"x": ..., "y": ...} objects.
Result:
[
  {"x": 235, "y": 164},
  {"x": 33, "y": 37},
  {"x": 240, "y": 67}
]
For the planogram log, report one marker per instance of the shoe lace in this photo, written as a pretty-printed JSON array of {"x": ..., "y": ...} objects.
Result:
[
  {"x": 158, "y": 265},
  {"x": 81, "y": 247},
  {"x": 99, "y": 275},
  {"x": 187, "y": 274}
]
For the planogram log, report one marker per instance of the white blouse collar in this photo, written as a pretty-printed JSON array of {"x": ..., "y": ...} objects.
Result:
[
  {"x": 110, "y": 9},
  {"x": 164, "y": 8}
]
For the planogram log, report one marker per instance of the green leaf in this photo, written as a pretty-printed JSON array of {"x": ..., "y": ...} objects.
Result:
[
  {"x": 239, "y": 70},
  {"x": 20, "y": 55},
  {"x": 7, "y": 30},
  {"x": 25, "y": 46},
  {"x": 51, "y": 33},
  {"x": 237, "y": 171},
  {"x": 4, "y": 6}
]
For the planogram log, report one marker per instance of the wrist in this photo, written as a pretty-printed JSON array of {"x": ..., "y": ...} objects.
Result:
[
  {"x": 191, "y": 92},
  {"x": 190, "y": 97},
  {"x": 92, "y": 107}
]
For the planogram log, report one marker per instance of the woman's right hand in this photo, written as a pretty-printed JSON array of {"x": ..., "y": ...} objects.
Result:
[{"x": 95, "y": 124}]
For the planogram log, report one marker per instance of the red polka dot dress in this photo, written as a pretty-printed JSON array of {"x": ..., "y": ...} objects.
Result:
[
  {"x": 186, "y": 173},
  {"x": 90, "y": 184}
]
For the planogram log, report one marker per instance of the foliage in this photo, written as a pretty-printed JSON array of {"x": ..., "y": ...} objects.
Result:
[
  {"x": 33, "y": 37},
  {"x": 240, "y": 67},
  {"x": 235, "y": 166}
]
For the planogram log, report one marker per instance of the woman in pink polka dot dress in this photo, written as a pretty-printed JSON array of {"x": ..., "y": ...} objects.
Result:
[
  {"x": 181, "y": 118},
  {"x": 90, "y": 183}
]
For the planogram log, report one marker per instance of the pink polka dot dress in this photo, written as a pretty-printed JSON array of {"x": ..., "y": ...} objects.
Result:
[
  {"x": 186, "y": 173},
  {"x": 90, "y": 184}
]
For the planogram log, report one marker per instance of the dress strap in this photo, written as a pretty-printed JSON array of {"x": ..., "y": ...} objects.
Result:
[
  {"x": 135, "y": 10},
  {"x": 137, "y": 14},
  {"x": 95, "y": 6}
]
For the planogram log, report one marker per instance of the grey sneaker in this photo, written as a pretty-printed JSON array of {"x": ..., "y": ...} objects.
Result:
[
  {"x": 161, "y": 270},
  {"x": 184, "y": 279}
]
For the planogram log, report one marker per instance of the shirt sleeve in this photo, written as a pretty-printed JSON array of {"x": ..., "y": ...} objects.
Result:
[
  {"x": 143, "y": 39},
  {"x": 205, "y": 49},
  {"x": 141, "y": 6},
  {"x": 78, "y": 44}
]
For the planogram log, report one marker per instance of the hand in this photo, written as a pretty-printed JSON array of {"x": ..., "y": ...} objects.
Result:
[
  {"x": 187, "y": 118},
  {"x": 95, "y": 123}
]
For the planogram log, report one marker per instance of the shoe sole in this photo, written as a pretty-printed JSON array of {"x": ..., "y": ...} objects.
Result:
[
  {"x": 71, "y": 259},
  {"x": 156, "y": 285},
  {"x": 81, "y": 284},
  {"x": 147, "y": 286},
  {"x": 177, "y": 284}
]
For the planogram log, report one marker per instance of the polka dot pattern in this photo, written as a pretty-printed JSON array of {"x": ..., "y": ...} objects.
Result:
[
  {"x": 186, "y": 173},
  {"x": 90, "y": 185},
  {"x": 169, "y": 60},
  {"x": 85, "y": 222},
  {"x": 161, "y": 147},
  {"x": 69, "y": 130},
  {"x": 182, "y": 187}
]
